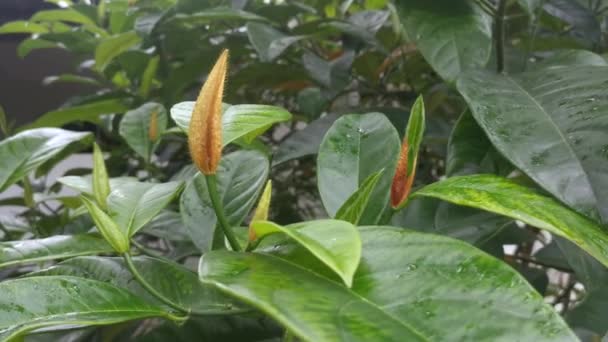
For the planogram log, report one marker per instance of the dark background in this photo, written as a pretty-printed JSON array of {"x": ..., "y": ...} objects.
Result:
[{"x": 22, "y": 93}]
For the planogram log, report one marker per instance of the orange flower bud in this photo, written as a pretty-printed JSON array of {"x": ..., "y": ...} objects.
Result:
[
  {"x": 406, "y": 165},
  {"x": 403, "y": 179},
  {"x": 205, "y": 130},
  {"x": 153, "y": 128}
]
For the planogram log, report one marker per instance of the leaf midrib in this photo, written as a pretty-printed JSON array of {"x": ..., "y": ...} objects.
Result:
[
  {"x": 564, "y": 140},
  {"x": 320, "y": 278}
]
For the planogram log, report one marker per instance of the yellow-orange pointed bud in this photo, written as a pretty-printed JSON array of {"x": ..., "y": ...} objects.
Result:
[
  {"x": 205, "y": 130},
  {"x": 153, "y": 128},
  {"x": 261, "y": 212},
  {"x": 403, "y": 179}
]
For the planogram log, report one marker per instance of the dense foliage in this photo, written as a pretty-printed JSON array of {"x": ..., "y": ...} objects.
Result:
[{"x": 439, "y": 173}]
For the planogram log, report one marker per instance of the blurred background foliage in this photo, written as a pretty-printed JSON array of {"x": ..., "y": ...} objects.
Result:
[{"x": 319, "y": 59}]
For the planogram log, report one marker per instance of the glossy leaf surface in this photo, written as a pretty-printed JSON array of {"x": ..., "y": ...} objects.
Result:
[
  {"x": 54, "y": 247},
  {"x": 452, "y": 35},
  {"x": 551, "y": 124},
  {"x": 133, "y": 204},
  {"x": 505, "y": 197},
  {"x": 135, "y": 127},
  {"x": 406, "y": 288},
  {"x": 336, "y": 243},
  {"x": 355, "y": 147},
  {"x": 38, "y": 302},
  {"x": 172, "y": 280},
  {"x": 29, "y": 150}
]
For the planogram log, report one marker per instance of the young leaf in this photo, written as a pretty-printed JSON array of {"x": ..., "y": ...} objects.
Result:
[
  {"x": 355, "y": 205},
  {"x": 3, "y": 123},
  {"x": 408, "y": 158},
  {"x": 261, "y": 211},
  {"x": 335, "y": 243},
  {"x": 101, "y": 183},
  {"x": 54, "y": 247},
  {"x": 41, "y": 302},
  {"x": 404, "y": 290},
  {"x": 134, "y": 204},
  {"x": 108, "y": 228},
  {"x": 505, "y": 197},
  {"x": 147, "y": 79}
]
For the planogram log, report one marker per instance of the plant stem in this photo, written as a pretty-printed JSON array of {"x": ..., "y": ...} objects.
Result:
[
  {"x": 145, "y": 250},
  {"x": 499, "y": 35},
  {"x": 219, "y": 212},
  {"x": 28, "y": 192},
  {"x": 149, "y": 288}
]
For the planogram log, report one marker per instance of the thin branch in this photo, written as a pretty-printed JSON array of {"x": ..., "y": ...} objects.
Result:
[{"x": 499, "y": 35}]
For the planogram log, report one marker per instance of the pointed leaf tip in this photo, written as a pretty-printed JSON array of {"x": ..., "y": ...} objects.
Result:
[
  {"x": 408, "y": 158},
  {"x": 261, "y": 212}
]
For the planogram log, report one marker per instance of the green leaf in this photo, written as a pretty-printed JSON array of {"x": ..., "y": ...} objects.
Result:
[
  {"x": 269, "y": 42},
  {"x": 212, "y": 15},
  {"x": 505, "y": 197},
  {"x": 530, "y": 6},
  {"x": 84, "y": 184},
  {"x": 22, "y": 26},
  {"x": 4, "y": 125},
  {"x": 87, "y": 112},
  {"x": 135, "y": 128},
  {"x": 431, "y": 215},
  {"x": 55, "y": 247},
  {"x": 570, "y": 58},
  {"x": 101, "y": 183},
  {"x": 355, "y": 147},
  {"x": 549, "y": 124},
  {"x": 113, "y": 46},
  {"x": 68, "y": 15},
  {"x": 133, "y": 204},
  {"x": 30, "y": 44},
  {"x": 37, "y": 148},
  {"x": 213, "y": 328},
  {"x": 352, "y": 210},
  {"x": 414, "y": 132},
  {"x": 38, "y": 302},
  {"x": 334, "y": 75},
  {"x": 406, "y": 287},
  {"x": 335, "y": 243},
  {"x": 70, "y": 78},
  {"x": 470, "y": 151},
  {"x": 172, "y": 280},
  {"x": 147, "y": 77},
  {"x": 241, "y": 176},
  {"x": 304, "y": 142},
  {"x": 108, "y": 228},
  {"x": 238, "y": 121},
  {"x": 452, "y": 35}
]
